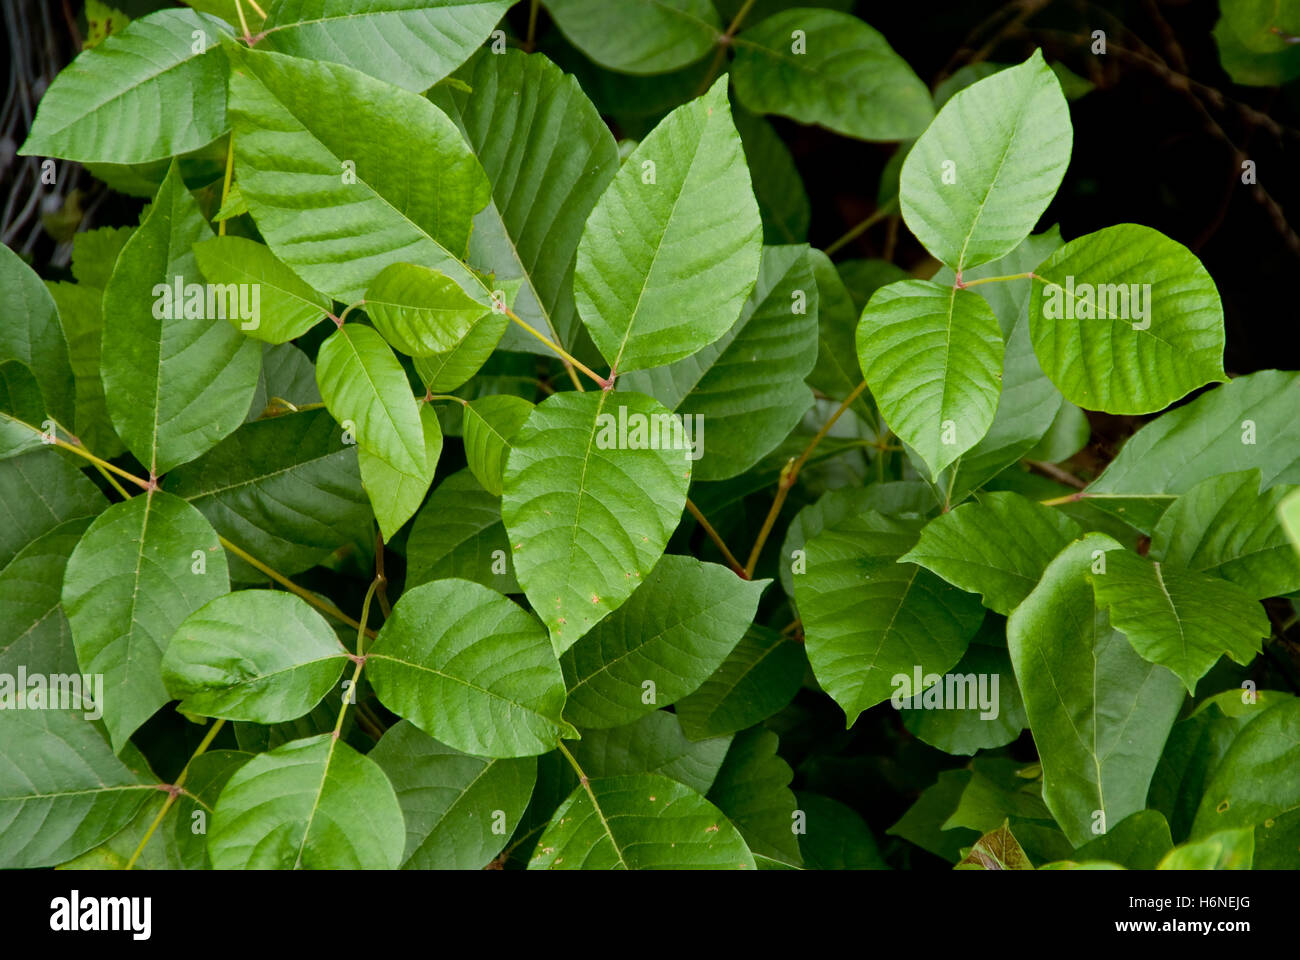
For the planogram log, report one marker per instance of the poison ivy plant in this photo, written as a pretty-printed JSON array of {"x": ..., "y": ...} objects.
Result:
[{"x": 383, "y": 484}]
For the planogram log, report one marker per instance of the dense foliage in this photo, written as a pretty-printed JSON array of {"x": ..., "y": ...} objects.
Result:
[{"x": 378, "y": 499}]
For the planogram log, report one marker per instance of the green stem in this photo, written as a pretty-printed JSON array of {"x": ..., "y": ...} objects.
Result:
[
  {"x": 175, "y": 790},
  {"x": 574, "y": 763},
  {"x": 1011, "y": 276},
  {"x": 883, "y": 211},
  {"x": 724, "y": 41},
  {"x": 563, "y": 354},
  {"x": 102, "y": 464},
  {"x": 735, "y": 564},
  {"x": 230, "y": 168},
  {"x": 362, "y": 633}
]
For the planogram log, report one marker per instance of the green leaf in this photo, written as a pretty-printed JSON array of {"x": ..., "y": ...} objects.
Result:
[
  {"x": 143, "y": 94},
  {"x": 396, "y": 184},
  {"x": 38, "y": 492},
  {"x": 286, "y": 307},
  {"x": 22, "y": 411},
  {"x": 871, "y": 622},
  {"x": 642, "y": 822},
  {"x": 421, "y": 312},
  {"x": 830, "y": 68},
  {"x": 469, "y": 667},
  {"x": 1225, "y": 850},
  {"x": 748, "y": 386},
  {"x": 62, "y": 791},
  {"x": 34, "y": 634},
  {"x": 287, "y": 383},
  {"x": 459, "y": 534},
  {"x": 313, "y": 804},
  {"x": 932, "y": 357},
  {"x": 666, "y": 640},
  {"x": 144, "y": 565},
  {"x": 753, "y": 790},
  {"x": 1127, "y": 321},
  {"x": 258, "y": 655},
  {"x": 460, "y": 810},
  {"x": 835, "y": 837},
  {"x": 1227, "y": 527},
  {"x": 175, "y": 384},
  {"x": 411, "y": 43},
  {"x": 1288, "y": 514},
  {"x": 981, "y": 175},
  {"x": 587, "y": 513},
  {"x": 654, "y": 743},
  {"x": 1138, "y": 842},
  {"x": 922, "y": 821},
  {"x": 671, "y": 251},
  {"x": 546, "y": 176},
  {"x": 366, "y": 390},
  {"x": 1248, "y": 422},
  {"x": 31, "y": 335},
  {"x": 1178, "y": 618},
  {"x": 640, "y": 36},
  {"x": 998, "y": 547},
  {"x": 836, "y": 372},
  {"x": 758, "y": 678},
  {"x": 396, "y": 495},
  {"x": 1256, "y": 780},
  {"x": 286, "y": 489},
  {"x": 1099, "y": 712},
  {"x": 996, "y": 850},
  {"x": 782, "y": 201},
  {"x": 490, "y": 424}
]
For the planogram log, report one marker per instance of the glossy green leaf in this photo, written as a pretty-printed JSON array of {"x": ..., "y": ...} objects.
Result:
[
  {"x": 1099, "y": 713},
  {"x": 671, "y": 250},
  {"x": 386, "y": 175},
  {"x": 835, "y": 837},
  {"x": 997, "y": 547},
  {"x": 421, "y": 312},
  {"x": 759, "y": 677},
  {"x": 62, "y": 791},
  {"x": 38, "y": 492},
  {"x": 748, "y": 386},
  {"x": 412, "y": 43},
  {"x": 490, "y": 424},
  {"x": 984, "y": 171},
  {"x": 22, "y": 411},
  {"x": 152, "y": 91},
  {"x": 1138, "y": 842},
  {"x": 837, "y": 372},
  {"x": 175, "y": 384},
  {"x": 1248, "y": 422},
  {"x": 1226, "y": 526},
  {"x": 1256, "y": 780},
  {"x": 829, "y": 68},
  {"x": 642, "y": 822},
  {"x": 311, "y": 804},
  {"x": 258, "y": 655},
  {"x": 639, "y": 36},
  {"x": 753, "y": 790},
  {"x": 31, "y": 335},
  {"x": 1288, "y": 514},
  {"x": 143, "y": 566},
  {"x": 1178, "y": 618},
  {"x": 654, "y": 743},
  {"x": 1225, "y": 850},
  {"x": 782, "y": 201},
  {"x": 546, "y": 176},
  {"x": 460, "y": 810},
  {"x": 581, "y": 548},
  {"x": 932, "y": 357},
  {"x": 1126, "y": 321},
  {"x": 34, "y": 634},
  {"x": 286, "y": 307},
  {"x": 976, "y": 725},
  {"x": 996, "y": 850},
  {"x": 469, "y": 667},
  {"x": 394, "y": 494},
  {"x": 459, "y": 534},
  {"x": 871, "y": 622},
  {"x": 366, "y": 390},
  {"x": 663, "y": 643}
]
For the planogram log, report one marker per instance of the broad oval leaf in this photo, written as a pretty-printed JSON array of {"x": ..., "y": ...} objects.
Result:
[
  {"x": 830, "y": 68},
  {"x": 869, "y": 620},
  {"x": 639, "y": 36},
  {"x": 363, "y": 384},
  {"x": 1180, "y": 619},
  {"x": 419, "y": 311},
  {"x": 640, "y": 822},
  {"x": 932, "y": 357},
  {"x": 32, "y": 336},
  {"x": 460, "y": 810},
  {"x": 671, "y": 251},
  {"x": 978, "y": 179},
  {"x": 459, "y": 533},
  {"x": 1099, "y": 713},
  {"x": 759, "y": 677},
  {"x": 581, "y": 548},
  {"x": 753, "y": 790},
  {"x": 652, "y": 744},
  {"x": 390, "y": 185},
  {"x": 38, "y": 492},
  {"x": 673, "y": 633},
  {"x": 174, "y": 383},
  {"x": 34, "y": 634},
  {"x": 143, "y": 94},
  {"x": 1126, "y": 320},
  {"x": 144, "y": 565},
  {"x": 258, "y": 655},
  {"x": 412, "y": 43},
  {"x": 490, "y": 424},
  {"x": 396, "y": 494},
  {"x": 313, "y": 804},
  {"x": 1256, "y": 780},
  {"x": 469, "y": 667},
  {"x": 285, "y": 307}
]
